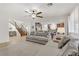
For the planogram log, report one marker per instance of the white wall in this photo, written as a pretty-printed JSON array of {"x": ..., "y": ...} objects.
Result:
[
  {"x": 3, "y": 25},
  {"x": 3, "y": 29},
  {"x": 54, "y": 20}
]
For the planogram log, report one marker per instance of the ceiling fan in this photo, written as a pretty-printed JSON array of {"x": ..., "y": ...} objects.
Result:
[{"x": 34, "y": 13}]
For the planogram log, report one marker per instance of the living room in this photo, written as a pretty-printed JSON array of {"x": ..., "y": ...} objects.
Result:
[{"x": 39, "y": 28}]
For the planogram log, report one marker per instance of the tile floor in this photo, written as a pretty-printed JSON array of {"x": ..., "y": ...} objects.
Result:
[{"x": 20, "y": 47}]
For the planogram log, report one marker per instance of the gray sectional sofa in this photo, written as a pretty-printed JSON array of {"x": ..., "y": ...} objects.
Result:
[{"x": 38, "y": 37}]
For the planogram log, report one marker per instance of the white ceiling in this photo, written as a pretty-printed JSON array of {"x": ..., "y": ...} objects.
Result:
[{"x": 16, "y": 10}]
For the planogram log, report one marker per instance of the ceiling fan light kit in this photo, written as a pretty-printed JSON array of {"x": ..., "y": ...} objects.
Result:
[{"x": 34, "y": 13}]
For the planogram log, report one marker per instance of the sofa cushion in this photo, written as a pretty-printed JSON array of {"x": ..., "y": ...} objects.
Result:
[
  {"x": 42, "y": 34},
  {"x": 37, "y": 38},
  {"x": 63, "y": 42}
]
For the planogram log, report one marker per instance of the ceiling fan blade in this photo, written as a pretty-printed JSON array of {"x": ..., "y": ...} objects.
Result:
[
  {"x": 40, "y": 16},
  {"x": 39, "y": 13},
  {"x": 28, "y": 12}
]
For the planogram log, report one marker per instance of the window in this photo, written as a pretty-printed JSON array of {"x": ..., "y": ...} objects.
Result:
[{"x": 73, "y": 22}]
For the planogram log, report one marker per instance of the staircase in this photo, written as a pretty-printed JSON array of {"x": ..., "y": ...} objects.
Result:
[{"x": 21, "y": 29}]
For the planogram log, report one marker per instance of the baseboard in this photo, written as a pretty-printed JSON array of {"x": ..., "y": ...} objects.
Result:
[{"x": 4, "y": 44}]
